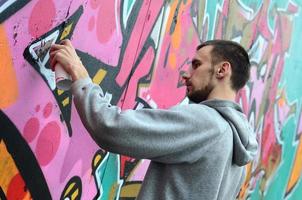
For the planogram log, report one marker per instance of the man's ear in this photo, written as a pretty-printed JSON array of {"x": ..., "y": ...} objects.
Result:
[{"x": 223, "y": 70}]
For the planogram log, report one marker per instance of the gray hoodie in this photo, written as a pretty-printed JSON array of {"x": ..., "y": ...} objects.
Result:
[{"x": 197, "y": 151}]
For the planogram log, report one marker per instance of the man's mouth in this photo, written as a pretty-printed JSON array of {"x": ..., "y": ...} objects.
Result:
[
  {"x": 189, "y": 88},
  {"x": 188, "y": 85}
]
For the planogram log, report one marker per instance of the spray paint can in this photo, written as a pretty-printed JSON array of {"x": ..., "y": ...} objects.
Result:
[{"x": 63, "y": 79}]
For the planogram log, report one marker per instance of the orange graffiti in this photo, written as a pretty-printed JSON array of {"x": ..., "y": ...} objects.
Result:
[
  {"x": 8, "y": 81},
  {"x": 8, "y": 166},
  {"x": 296, "y": 170},
  {"x": 11, "y": 183},
  {"x": 177, "y": 34},
  {"x": 172, "y": 60}
]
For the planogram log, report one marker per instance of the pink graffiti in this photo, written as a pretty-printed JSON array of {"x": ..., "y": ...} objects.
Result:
[
  {"x": 101, "y": 23},
  {"x": 142, "y": 28},
  {"x": 48, "y": 139},
  {"x": 31, "y": 129},
  {"x": 167, "y": 75},
  {"x": 142, "y": 69},
  {"x": 47, "y": 110},
  {"x": 42, "y": 17},
  {"x": 48, "y": 143},
  {"x": 106, "y": 18}
]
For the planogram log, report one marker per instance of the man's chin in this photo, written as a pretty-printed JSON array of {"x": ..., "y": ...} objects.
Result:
[
  {"x": 194, "y": 99},
  {"x": 197, "y": 97}
]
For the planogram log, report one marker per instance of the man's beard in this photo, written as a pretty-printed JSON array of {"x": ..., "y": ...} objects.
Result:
[{"x": 201, "y": 95}]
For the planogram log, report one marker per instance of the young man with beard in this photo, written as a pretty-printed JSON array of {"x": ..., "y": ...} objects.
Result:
[{"x": 197, "y": 151}]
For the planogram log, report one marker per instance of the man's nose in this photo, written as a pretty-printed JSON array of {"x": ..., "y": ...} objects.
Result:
[{"x": 186, "y": 75}]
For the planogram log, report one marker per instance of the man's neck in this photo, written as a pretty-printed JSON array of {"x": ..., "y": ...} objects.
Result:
[{"x": 223, "y": 93}]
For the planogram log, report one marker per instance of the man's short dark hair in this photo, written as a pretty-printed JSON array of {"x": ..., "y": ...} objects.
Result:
[{"x": 233, "y": 53}]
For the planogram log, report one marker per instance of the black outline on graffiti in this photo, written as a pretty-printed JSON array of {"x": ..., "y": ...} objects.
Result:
[
  {"x": 77, "y": 187},
  {"x": 24, "y": 159},
  {"x": 12, "y": 6}
]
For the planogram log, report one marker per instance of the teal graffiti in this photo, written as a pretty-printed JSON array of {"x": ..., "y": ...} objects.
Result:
[
  {"x": 127, "y": 8},
  {"x": 252, "y": 6},
  {"x": 108, "y": 177},
  {"x": 211, "y": 9}
]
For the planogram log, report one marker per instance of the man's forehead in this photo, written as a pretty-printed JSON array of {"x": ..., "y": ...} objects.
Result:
[{"x": 204, "y": 53}]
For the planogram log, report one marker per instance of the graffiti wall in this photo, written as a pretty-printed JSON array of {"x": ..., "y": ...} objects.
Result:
[{"x": 137, "y": 51}]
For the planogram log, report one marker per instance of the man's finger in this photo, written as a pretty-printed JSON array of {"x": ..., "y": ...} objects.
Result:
[
  {"x": 53, "y": 62},
  {"x": 55, "y": 47},
  {"x": 66, "y": 42},
  {"x": 54, "y": 59},
  {"x": 52, "y": 53}
]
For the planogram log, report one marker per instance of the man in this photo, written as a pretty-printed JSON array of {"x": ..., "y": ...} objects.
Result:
[{"x": 197, "y": 151}]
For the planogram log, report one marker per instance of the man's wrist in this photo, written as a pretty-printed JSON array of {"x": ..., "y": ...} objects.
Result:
[{"x": 79, "y": 73}]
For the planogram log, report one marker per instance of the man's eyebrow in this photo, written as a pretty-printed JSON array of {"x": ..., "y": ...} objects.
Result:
[{"x": 195, "y": 61}]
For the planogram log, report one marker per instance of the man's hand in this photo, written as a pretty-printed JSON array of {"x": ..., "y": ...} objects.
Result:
[{"x": 65, "y": 54}]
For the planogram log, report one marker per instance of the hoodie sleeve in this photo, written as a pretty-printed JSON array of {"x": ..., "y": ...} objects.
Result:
[{"x": 169, "y": 136}]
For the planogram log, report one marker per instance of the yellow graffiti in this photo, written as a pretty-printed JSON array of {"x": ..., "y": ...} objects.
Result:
[
  {"x": 60, "y": 91},
  {"x": 65, "y": 101},
  {"x": 97, "y": 160},
  {"x": 72, "y": 191},
  {"x": 75, "y": 194},
  {"x": 66, "y": 31},
  {"x": 99, "y": 76},
  {"x": 131, "y": 190}
]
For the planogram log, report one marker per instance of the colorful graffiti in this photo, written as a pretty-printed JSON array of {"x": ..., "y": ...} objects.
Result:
[{"x": 137, "y": 51}]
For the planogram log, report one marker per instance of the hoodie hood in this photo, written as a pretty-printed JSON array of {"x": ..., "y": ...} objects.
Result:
[{"x": 244, "y": 138}]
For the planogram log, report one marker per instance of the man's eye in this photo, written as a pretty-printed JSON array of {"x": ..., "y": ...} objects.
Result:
[{"x": 195, "y": 65}]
